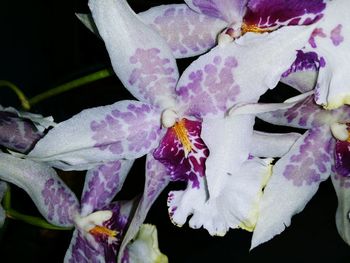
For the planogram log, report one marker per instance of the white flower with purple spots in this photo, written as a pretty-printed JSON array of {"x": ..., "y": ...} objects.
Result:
[
  {"x": 323, "y": 151},
  {"x": 99, "y": 224},
  {"x": 182, "y": 123}
]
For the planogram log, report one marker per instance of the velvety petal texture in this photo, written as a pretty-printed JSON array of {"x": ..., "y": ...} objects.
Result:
[
  {"x": 238, "y": 72},
  {"x": 102, "y": 184},
  {"x": 140, "y": 56},
  {"x": 156, "y": 180},
  {"x": 331, "y": 41},
  {"x": 187, "y": 33},
  {"x": 275, "y": 13},
  {"x": 126, "y": 129},
  {"x": 342, "y": 218},
  {"x": 144, "y": 248},
  {"x": 295, "y": 179},
  {"x": 180, "y": 165},
  {"x": 231, "y": 11},
  {"x": 55, "y": 201}
]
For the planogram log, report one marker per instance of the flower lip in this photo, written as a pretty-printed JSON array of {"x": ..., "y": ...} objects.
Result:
[{"x": 181, "y": 134}]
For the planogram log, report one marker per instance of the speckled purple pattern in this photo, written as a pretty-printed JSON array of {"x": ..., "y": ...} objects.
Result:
[
  {"x": 152, "y": 74},
  {"x": 318, "y": 32},
  {"x": 156, "y": 180},
  {"x": 342, "y": 158},
  {"x": 171, "y": 153},
  {"x": 61, "y": 203},
  {"x": 17, "y": 133},
  {"x": 212, "y": 89},
  {"x": 313, "y": 159},
  {"x": 105, "y": 249},
  {"x": 102, "y": 184},
  {"x": 305, "y": 114},
  {"x": 336, "y": 35},
  {"x": 270, "y": 13},
  {"x": 132, "y": 130},
  {"x": 305, "y": 61},
  {"x": 191, "y": 28}
]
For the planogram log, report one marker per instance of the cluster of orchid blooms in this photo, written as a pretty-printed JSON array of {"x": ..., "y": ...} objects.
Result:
[{"x": 198, "y": 127}]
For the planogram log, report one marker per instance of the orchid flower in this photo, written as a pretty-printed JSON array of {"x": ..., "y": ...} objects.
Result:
[
  {"x": 321, "y": 152},
  {"x": 19, "y": 131},
  {"x": 192, "y": 29},
  {"x": 99, "y": 224},
  {"x": 179, "y": 121}
]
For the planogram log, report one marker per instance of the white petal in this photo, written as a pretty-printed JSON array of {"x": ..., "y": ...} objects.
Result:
[
  {"x": 140, "y": 56},
  {"x": 272, "y": 144},
  {"x": 295, "y": 179},
  {"x": 187, "y": 33},
  {"x": 333, "y": 79}
]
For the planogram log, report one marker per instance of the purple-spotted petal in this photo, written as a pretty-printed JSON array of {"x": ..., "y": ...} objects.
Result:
[
  {"x": 239, "y": 72},
  {"x": 87, "y": 247},
  {"x": 275, "y": 13},
  {"x": 126, "y": 129},
  {"x": 331, "y": 41},
  {"x": 342, "y": 217},
  {"x": 102, "y": 183},
  {"x": 342, "y": 158},
  {"x": 186, "y": 32},
  {"x": 171, "y": 154},
  {"x": 140, "y": 57},
  {"x": 55, "y": 201},
  {"x": 295, "y": 179},
  {"x": 3, "y": 189},
  {"x": 304, "y": 114},
  {"x": 16, "y": 133},
  {"x": 302, "y": 75},
  {"x": 231, "y": 11},
  {"x": 156, "y": 180}
]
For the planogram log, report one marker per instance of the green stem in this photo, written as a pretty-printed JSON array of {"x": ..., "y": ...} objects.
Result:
[
  {"x": 24, "y": 101},
  {"x": 32, "y": 220},
  {"x": 101, "y": 74},
  {"x": 7, "y": 199}
]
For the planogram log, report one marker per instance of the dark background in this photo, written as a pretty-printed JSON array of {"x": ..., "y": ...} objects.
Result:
[{"x": 42, "y": 44}]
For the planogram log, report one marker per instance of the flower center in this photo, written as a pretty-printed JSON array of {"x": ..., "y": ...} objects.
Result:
[
  {"x": 340, "y": 131},
  {"x": 253, "y": 28},
  {"x": 103, "y": 231},
  {"x": 181, "y": 134},
  {"x": 233, "y": 32}
]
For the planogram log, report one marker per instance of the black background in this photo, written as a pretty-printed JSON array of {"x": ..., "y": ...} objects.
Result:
[{"x": 42, "y": 44}]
